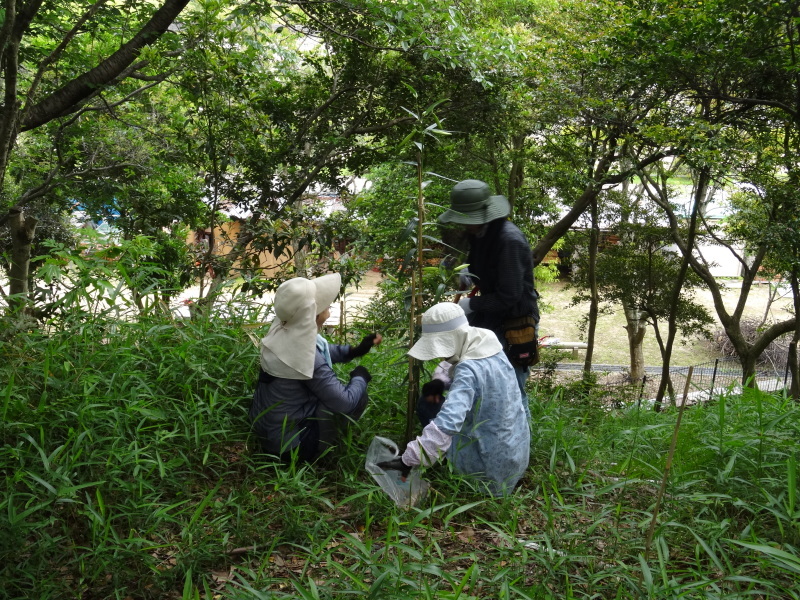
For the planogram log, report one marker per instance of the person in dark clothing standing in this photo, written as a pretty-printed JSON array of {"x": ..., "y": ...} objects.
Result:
[{"x": 503, "y": 297}]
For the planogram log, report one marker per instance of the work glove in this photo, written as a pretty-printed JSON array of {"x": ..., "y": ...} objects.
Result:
[
  {"x": 365, "y": 345},
  {"x": 464, "y": 304},
  {"x": 396, "y": 464},
  {"x": 435, "y": 387},
  {"x": 360, "y": 371}
]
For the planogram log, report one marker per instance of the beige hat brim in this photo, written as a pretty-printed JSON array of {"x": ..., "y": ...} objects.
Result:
[
  {"x": 327, "y": 288},
  {"x": 496, "y": 208},
  {"x": 434, "y": 345}
]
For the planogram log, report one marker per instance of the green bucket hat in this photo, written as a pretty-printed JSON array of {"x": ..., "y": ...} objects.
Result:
[{"x": 471, "y": 203}]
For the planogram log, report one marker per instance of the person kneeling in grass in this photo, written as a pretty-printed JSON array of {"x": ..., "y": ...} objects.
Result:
[
  {"x": 298, "y": 396},
  {"x": 483, "y": 425}
]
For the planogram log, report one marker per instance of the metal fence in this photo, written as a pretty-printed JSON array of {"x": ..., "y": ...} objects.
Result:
[{"x": 708, "y": 380}]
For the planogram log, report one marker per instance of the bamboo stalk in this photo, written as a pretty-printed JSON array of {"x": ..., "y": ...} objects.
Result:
[{"x": 667, "y": 467}]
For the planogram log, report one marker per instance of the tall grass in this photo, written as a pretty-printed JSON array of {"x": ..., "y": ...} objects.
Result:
[{"x": 128, "y": 472}]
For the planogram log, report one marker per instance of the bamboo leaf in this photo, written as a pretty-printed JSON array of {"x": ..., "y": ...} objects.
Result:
[
  {"x": 463, "y": 583},
  {"x": 439, "y": 176},
  {"x": 647, "y": 574},
  {"x": 791, "y": 482},
  {"x": 409, "y": 230},
  {"x": 461, "y": 509},
  {"x": 703, "y": 544},
  {"x": 780, "y": 558},
  {"x": 412, "y": 113}
]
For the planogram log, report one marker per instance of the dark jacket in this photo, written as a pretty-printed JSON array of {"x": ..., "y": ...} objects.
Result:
[
  {"x": 283, "y": 410},
  {"x": 501, "y": 265}
]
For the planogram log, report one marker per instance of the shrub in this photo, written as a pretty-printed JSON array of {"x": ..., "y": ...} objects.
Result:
[{"x": 774, "y": 355}]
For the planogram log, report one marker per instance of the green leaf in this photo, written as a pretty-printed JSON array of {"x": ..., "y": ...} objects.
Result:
[
  {"x": 411, "y": 227},
  {"x": 412, "y": 113},
  {"x": 780, "y": 558},
  {"x": 461, "y": 509}
]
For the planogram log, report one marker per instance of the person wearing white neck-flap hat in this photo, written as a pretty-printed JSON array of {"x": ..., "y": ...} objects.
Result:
[
  {"x": 483, "y": 426},
  {"x": 298, "y": 395}
]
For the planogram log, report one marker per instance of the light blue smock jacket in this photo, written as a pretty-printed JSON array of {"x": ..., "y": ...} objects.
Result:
[{"x": 489, "y": 420}]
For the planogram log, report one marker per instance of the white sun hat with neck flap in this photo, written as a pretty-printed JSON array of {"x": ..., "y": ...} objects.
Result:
[
  {"x": 289, "y": 348},
  {"x": 447, "y": 334}
]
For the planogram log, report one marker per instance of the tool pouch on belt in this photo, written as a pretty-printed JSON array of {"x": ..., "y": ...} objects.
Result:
[{"x": 523, "y": 347}]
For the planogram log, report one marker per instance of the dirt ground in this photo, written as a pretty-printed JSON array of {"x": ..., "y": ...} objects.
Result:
[{"x": 563, "y": 321}]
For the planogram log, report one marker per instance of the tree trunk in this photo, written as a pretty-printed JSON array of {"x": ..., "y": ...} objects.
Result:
[
  {"x": 415, "y": 312},
  {"x": 668, "y": 387},
  {"x": 745, "y": 352},
  {"x": 594, "y": 300},
  {"x": 22, "y": 231},
  {"x": 637, "y": 328},
  {"x": 748, "y": 353},
  {"x": 516, "y": 175},
  {"x": 794, "y": 369},
  {"x": 794, "y": 384},
  {"x": 672, "y": 321},
  {"x": 748, "y": 362},
  {"x": 299, "y": 259}
]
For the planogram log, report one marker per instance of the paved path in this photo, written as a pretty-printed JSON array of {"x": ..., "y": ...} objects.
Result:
[{"x": 619, "y": 368}]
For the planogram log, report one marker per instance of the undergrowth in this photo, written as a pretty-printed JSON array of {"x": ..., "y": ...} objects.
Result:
[{"x": 129, "y": 473}]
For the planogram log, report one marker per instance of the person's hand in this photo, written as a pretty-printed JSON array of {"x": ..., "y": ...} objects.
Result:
[
  {"x": 464, "y": 304},
  {"x": 433, "y": 391},
  {"x": 360, "y": 371},
  {"x": 396, "y": 464},
  {"x": 373, "y": 339}
]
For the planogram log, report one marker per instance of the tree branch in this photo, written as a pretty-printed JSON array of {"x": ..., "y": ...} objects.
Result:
[
  {"x": 109, "y": 106},
  {"x": 771, "y": 334},
  {"x": 56, "y": 53},
  {"x": 755, "y": 102},
  {"x": 63, "y": 101},
  {"x": 722, "y": 242},
  {"x": 600, "y": 179}
]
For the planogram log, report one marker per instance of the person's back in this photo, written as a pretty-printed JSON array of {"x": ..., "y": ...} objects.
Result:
[
  {"x": 483, "y": 426},
  {"x": 285, "y": 411},
  {"x": 298, "y": 395},
  {"x": 501, "y": 265},
  {"x": 489, "y": 421}
]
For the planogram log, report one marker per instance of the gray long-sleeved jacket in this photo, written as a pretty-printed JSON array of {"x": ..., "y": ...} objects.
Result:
[{"x": 279, "y": 407}]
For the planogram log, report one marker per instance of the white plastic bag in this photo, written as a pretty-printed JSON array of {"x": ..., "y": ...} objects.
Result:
[{"x": 405, "y": 493}]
